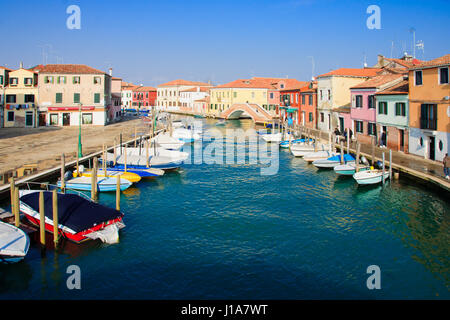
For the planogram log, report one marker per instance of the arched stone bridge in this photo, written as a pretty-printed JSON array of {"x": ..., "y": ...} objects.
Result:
[{"x": 257, "y": 113}]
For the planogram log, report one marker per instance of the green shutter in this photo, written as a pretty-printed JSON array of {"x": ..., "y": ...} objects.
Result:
[
  {"x": 76, "y": 97},
  {"x": 58, "y": 98},
  {"x": 96, "y": 97}
]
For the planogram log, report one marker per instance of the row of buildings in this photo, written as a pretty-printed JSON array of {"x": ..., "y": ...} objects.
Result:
[{"x": 402, "y": 103}]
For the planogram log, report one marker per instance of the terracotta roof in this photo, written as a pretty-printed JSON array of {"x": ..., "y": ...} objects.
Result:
[
  {"x": 68, "y": 68},
  {"x": 295, "y": 85},
  {"x": 347, "y": 72},
  {"x": 143, "y": 89},
  {"x": 115, "y": 78},
  {"x": 405, "y": 63},
  {"x": 343, "y": 109},
  {"x": 181, "y": 82},
  {"x": 400, "y": 88},
  {"x": 441, "y": 61},
  {"x": 378, "y": 81},
  {"x": 5, "y": 68},
  {"x": 202, "y": 89},
  {"x": 201, "y": 100}
]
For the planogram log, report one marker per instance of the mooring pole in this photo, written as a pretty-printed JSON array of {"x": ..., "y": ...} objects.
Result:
[
  {"x": 382, "y": 177},
  {"x": 118, "y": 193},
  {"x": 55, "y": 218},
  {"x": 125, "y": 158},
  {"x": 342, "y": 151},
  {"x": 390, "y": 164},
  {"x": 16, "y": 207},
  {"x": 358, "y": 148},
  {"x": 63, "y": 167},
  {"x": 42, "y": 220}
]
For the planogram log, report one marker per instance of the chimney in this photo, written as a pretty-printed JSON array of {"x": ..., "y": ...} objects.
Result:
[
  {"x": 198, "y": 89},
  {"x": 380, "y": 61},
  {"x": 110, "y": 72},
  {"x": 21, "y": 65}
]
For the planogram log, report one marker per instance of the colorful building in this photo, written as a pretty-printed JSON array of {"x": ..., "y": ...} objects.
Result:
[
  {"x": 429, "y": 106},
  {"x": 364, "y": 108},
  {"x": 308, "y": 105},
  {"x": 127, "y": 94},
  {"x": 21, "y": 97},
  {"x": 189, "y": 96},
  {"x": 4, "y": 79},
  {"x": 393, "y": 115},
  {"x": 333, "y": 91},
  {"x": 67, "y": 89},
  {"x": 143, "y": 97},
  {"x": 168, "y": 94}
]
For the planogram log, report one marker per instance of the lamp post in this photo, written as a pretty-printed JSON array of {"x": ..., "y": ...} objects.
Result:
[{"x": 80, "y": 154}]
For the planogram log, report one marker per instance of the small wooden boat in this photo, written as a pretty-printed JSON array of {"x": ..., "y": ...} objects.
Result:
[
  {"x": 275, "y": 137},
  {"x": 333, "y": 161},
  {"x": 14, "y": 243},
  {"x": 349, "y": 169},
  {"x": 299, "y": 150},
  {"x": 285, "y": 143},
  {"x": 372, "y": 176},
  {"x": 142, "y": 172},
  {"x": 165, "y": 141},
  {"x": 130, "y": 176},
  {"x": 79, "y": 219},
  {"x": 104, "y": 184}
]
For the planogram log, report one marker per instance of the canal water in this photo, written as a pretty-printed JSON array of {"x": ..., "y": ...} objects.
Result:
[{"x": 224, "y": 231}]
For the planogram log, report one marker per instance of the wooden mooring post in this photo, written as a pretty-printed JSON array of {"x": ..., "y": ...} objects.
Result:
[
  {"x": 55, "y": 218},
  {"x": 16, "y": 207},
  {"x": 42, "y": 221},
  {"x": 373, "y": 151},
  {"x": 63, "y": 168},
  {"x": 358, "y": 148},
  {"x": 118, "y": 193},
  {"x": 383, "y": 170},
  {"x": 342, "y": 151},
  {"x": 390, "y": 164}
]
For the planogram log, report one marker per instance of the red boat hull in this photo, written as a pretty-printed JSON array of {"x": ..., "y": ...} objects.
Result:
[{"x": 77, "y": 237}]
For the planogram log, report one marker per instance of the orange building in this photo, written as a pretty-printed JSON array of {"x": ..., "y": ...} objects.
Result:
[{"x": 429, "y": 103}]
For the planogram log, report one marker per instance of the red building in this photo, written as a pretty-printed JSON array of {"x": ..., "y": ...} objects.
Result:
[
  {"x": 290, "y": 103},
  {"x": 308, "y": 105},
  {"x": 144, "y": 97}
]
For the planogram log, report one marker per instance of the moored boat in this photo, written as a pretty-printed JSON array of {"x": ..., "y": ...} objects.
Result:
[
  {"x": 130, "y": 176},
  {"x": 372, "y": 176},
  {"x": 348, "y": 169},
  {"x": 104, "y": 184},
  {"x": 14, "y": 243},
  {"x": 313, "y": 156},
  {"x": 79, "y": 219},
  {"x": 165, "y": 141},
  {"x": 333, "y": 161}
]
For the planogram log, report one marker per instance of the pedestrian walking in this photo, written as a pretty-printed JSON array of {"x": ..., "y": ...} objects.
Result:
[{"x": 446, "y": 163}]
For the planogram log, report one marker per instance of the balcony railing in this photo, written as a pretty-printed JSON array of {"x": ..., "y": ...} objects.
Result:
[{"x": 428, "y": 123}]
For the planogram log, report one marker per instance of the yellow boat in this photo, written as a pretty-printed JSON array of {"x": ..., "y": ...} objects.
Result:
[{"x": 130, "y": 176}]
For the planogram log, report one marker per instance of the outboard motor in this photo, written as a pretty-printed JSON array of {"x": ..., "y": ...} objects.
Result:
[{"x": 364, "y": 160}]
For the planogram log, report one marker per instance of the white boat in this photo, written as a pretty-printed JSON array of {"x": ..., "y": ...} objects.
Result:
[
  {"x": 140, "y": 161},
  {"x": 177, "y": 124},
  {"x": 155, "y": 152},
  {"x": 14, "y": 243},
  {"x": 275, "y": 137},
  {"x": 333, "y": 161},
  {"x": 285, "y": 143},
  {"x": 323, "y": 154},
  {"x": 165, "y": 141},
  {"x": 104, "y": 184},
  {"x": 349, "y": 169},
  {"x": 372, "y": 176},
  {"x": 185, "y": 135},
  {"x": 300, "y": 149}
]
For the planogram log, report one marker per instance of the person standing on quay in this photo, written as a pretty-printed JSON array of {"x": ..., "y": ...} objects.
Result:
[{"x": 446, "y": 163}]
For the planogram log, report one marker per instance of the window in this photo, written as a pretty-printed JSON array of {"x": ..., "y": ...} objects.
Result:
[
  {"x": 29, "y": 98},
  {"x": 76, "y": 98},
  {"x": 86, "y": 118},
  {"x": 443, "y": 75},
  {"x": 58, "y": 98},
  {"x": 329, "y": 94},
  {"x": 372, "y": 129},
  {"x": 321, "y": 95},
  {"x": 282, "y": 86},
  {"x": 13, "y": 81},
  {"x": 10, "y": 98},
  {"x": 382, "y": 107},
  {"x": 322, "y": 117},
  {"x": 296, "y": 98},
  {"x": 61, "y": 80},
  {"x": 310, "y": 99},
  {"x": 1, "y": 79},
  {"x": 303, "y": 99},
  {"x": 48, "y": 79},
  {"x": 418, "y": 77},
  {"x": 76, "y": 80},
  {"x": 428, "y": 116},
  {"x": 96, "y": 97},
  {"x": 53, "y": 119},
  {"x": 10, "y": 115},
  {"x": 371, "y": 101},
  {"x": 400, "y": 109},
  {"x": 441, "y": 145},
  {"x": 28, "y": 81},
  {"x": 271, "y": 95},
  {"x": 359, "y": 126},
  {"x": 97, "y": 80},
  {"x": 358, "y": 101},
  {"x": 310, "y": 117}
]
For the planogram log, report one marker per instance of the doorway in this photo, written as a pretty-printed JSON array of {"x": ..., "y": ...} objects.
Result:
[
  {"x": 341, "y": 125},
  {"x": 66, "y": 119},
  {"x": 29, "y": 119},
  {"x": 42, "y": 119},
  {"x": 432, "y": 155},
  {"x": 401, "y": 133}
]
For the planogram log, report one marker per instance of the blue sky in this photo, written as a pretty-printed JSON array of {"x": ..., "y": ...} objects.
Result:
[{"x": 151, "y": 42}]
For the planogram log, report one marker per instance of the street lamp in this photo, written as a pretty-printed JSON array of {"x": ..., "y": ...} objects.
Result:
[{"x": 80, "y": 154}]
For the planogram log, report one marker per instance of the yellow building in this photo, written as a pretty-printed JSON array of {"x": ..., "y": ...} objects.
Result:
[{"x": 21, "y": 95}]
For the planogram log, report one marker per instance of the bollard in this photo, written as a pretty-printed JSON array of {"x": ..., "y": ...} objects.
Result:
[
  {"x": 118, "y": 193},
  {"x": 42, "y": 218},
  {"x": 397, "y": 175},
  {"x": 55, "y": 218}
]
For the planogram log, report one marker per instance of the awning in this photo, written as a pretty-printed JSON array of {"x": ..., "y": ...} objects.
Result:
[
  {"x": 289, "y": 109},
  {"x": 69, "y": 108}
]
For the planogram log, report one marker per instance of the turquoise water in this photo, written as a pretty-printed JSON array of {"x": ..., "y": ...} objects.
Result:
[{"x": 224, "y": 231}]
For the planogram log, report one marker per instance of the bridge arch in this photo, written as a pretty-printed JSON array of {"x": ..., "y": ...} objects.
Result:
[{"x": 255, "y": 112}]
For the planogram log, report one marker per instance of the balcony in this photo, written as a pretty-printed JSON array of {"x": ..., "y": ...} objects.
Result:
[{"x": 428, "y": 123}]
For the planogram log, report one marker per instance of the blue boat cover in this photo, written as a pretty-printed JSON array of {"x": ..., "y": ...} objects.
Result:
[
  {"x": 74, "y": 211},
  {"x": 347, "y": 157}
]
